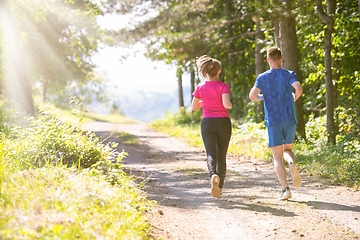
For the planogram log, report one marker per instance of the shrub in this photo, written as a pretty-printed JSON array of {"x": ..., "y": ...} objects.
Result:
[
  {"x": 42, "y": 198},
  {"x": 48, "y": 140}
]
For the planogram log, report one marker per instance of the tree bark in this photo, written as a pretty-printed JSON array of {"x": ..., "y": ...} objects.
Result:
[
  {"x": 16, "y": 82},
  {"x": 260, "y": 64},
  {"x": 290, "y": 54},
  {"x": 181, "y": 97},
  {"x": 277, "y": 34},
  {"x": 45, "y": 88},
  {"x": 230, "y": 35},
  {"x": 329, "y": 21},
  {"x": 192, "y": 81}
]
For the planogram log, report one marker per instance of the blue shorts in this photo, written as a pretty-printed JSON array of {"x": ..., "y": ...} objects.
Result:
[{"x": 281, "y": 134}]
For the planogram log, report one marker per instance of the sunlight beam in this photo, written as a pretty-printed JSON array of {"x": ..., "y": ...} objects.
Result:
[{"x": 15, "y": 78}]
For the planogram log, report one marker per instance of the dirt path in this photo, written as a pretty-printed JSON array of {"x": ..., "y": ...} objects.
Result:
[{"x": 178, "y": 180}]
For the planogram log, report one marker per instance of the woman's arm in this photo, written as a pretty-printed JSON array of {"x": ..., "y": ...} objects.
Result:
[
  {"x": 196, "y": 104},
  {"x": 226, "y": 101}
]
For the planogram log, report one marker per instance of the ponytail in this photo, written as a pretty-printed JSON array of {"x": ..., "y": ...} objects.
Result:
[{"x": 208, "y": 66}]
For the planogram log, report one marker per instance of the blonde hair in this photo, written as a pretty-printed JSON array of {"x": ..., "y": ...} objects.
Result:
[
  {"x": 274, "y": 53},
  {"x": 208, "y": 65}
]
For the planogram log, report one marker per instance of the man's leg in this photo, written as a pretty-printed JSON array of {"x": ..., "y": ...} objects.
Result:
[
  {"x": 290, "y": 158},
  {"x": 288, "y": 154},
  {"x": 279, "y": 165}
]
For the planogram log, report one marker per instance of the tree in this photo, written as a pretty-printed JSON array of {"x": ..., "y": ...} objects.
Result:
[
  {"x": 16, "y": 82},
  {"x": 192, "y": 81},
  {"x": 185, "y": 30},
  {"x": 260, "y": 64},
  {"x": 58, "y": 38},
  {"x": 329, "y": 21},
  {"x": 281, "y": 16},
  {"x": 291, "y": 60},
  {"x": 235, "y": 32},
  {"x": 180, "y": 88}
]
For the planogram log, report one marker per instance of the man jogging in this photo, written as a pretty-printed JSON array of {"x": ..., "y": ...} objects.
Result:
[{"x": 280, "y": 115}]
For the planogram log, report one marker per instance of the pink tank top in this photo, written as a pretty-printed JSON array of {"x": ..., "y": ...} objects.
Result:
[{"x": 210, "y": 92}]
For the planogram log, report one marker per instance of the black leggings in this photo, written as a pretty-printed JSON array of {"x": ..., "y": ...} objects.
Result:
[{"x": 216, "y": 133}]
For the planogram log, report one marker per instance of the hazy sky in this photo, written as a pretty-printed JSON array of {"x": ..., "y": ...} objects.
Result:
[{"x": 135, "y": 73}]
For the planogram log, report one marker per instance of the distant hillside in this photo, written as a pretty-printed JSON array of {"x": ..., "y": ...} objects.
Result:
[{"x": 146, "y": 106}]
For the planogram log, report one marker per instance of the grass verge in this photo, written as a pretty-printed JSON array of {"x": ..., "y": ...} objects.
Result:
[
  {"x": 59, "y": 182},
  {"x": 64, "y": 203}
]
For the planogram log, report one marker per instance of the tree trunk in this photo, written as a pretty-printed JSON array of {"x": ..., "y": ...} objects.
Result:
[
  {"x": 16, "y": 82},
  {"x": 290, "y": 61},
  {"x": 45, "y": 87},
  {"x": 329, "y": 21},
  {"x": 229, "y": 32},
  {"x": 192, "y": 81},
  {"x": 260, "y": 64},
  {"x": 181, "y": 97},
  {"x": 336, "y": 78},
  {"x": 277, "y": 34}
]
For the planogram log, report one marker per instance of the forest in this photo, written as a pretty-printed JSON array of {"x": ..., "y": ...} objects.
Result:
[
  {"x": 319, "y": 42},
  {"x": 59, "y": 180},
  {"x": 49, "y": 55}
]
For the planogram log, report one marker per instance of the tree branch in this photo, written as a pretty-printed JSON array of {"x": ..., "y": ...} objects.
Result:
[
  {"x": 323, "y": 16},
  {"x": 234, "y": 53},
  {"x": 247, "y": 34},
  {"x": 247, "y": 15}
]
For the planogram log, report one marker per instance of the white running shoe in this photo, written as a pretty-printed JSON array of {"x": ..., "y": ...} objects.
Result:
[
  {"x": 215, "y": 181},
  {"x": 285, "y": 194},
  {"x": 296, "y": 178}
]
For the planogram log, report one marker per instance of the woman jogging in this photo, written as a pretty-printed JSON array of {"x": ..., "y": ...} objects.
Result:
[{"x": 214, "y": 97}]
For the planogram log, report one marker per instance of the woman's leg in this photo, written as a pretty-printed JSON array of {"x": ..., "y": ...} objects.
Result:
[
  {"x": 209, "y": 136},
  {"x": 224, "y": 135}
]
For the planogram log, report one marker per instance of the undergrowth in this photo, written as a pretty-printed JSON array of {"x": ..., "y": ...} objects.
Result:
[
  {"x": 60, "y": 182},
  {"x": 339, "y": 163}
]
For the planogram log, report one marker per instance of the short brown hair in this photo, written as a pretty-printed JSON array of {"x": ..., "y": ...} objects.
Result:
[
  {"x": 274, "y": 53},
  {"x": 208, "y": 65}
]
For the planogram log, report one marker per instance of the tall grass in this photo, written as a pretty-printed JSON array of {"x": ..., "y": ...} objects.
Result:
[
  {"x": 59, "y": 182},
  {"x": 339, "y": 164}
]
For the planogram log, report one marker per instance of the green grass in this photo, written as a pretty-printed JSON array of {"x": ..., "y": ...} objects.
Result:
[
  {"x": 190, "y": 170},
  {"x": 63, "y": 203},
  {"x": 59, "y": 182},
  {"x": 78, "y": 117},
  {"x": 115, "y": 118},
  {"x": 128, "y": 138},
  {"x": 338, "y": 164},
  {"x": 189, "y": 133}
]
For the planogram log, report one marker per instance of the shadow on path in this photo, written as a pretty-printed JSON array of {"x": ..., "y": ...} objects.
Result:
[{"x": 331, "y": 206}]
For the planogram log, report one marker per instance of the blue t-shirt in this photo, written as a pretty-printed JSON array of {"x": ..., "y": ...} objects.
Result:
[{"x": 279, "y": 105}]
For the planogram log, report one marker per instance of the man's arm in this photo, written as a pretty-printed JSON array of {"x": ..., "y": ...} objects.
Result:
[
  {"x": 196, "y": 104},
  {"x": 298, "y": 90},
  {"x": 255, "y": 94}
]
